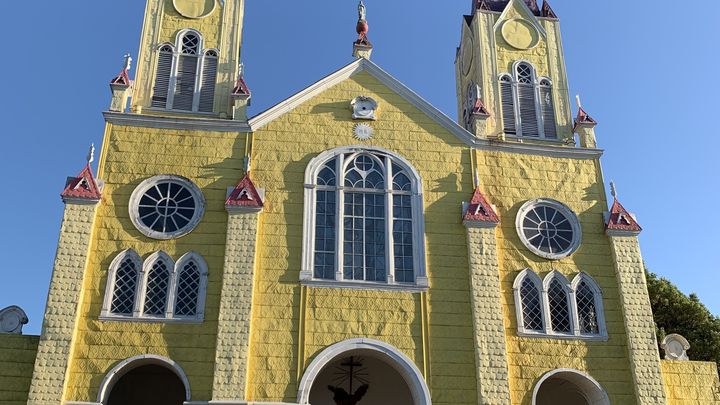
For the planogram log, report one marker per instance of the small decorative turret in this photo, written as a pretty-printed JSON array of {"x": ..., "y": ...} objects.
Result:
[
  {"x": 121, "y": 87},
  {"x": 479, "y": 213},
  {"x": 619, "y": 221},
  {"x": 585, "y": 127},
  {"x": 362, "y": 48},
  {"x": 241, "y": 95},
  {"x": 83, "y": 189},
  {"x": 245, "y": 197}
]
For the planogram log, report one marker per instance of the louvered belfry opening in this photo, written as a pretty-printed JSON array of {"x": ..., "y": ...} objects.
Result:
[
  {"x": 527, "y": 104},
  {"x": 185, "y": 77}
]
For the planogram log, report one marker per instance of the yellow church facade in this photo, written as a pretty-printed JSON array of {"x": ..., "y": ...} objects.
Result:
[{"x": 351, "y": 245}]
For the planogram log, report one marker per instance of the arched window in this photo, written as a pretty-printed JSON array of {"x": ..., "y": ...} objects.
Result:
[
  {"x": 156, "y": 286},
  {"x": 191, "y": 272},
  {"x": 556, "y": 308},
  {"x": 122, "y": 286},
  {"x": 363, "y": 220},
  {"x": 186, "y": 75},
  {"x": 527, "y": 105},
  {"x": 528, "y": 302},
  {"x": 588, "y": 304}
]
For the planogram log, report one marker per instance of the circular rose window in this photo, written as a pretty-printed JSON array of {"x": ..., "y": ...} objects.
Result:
[
  {"x": 548, "y": 228},
  {"x": 166, "y": 207}
]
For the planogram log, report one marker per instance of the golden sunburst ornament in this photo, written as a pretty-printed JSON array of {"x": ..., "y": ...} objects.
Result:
[{"x": 363, "y": 132}]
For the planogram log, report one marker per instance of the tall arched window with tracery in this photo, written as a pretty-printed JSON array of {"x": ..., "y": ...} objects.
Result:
[
  {"x": 589, "y": 307},
  {"x": 363, "y": 220},
  {"x": 527, "y": 104},
  {"x": 190, "y": 285},
  {"x": 528, "y": 302},
  {"x": 158, "y": 270},
  {"x": 186, "y": 75},
  {"x": 558, "y": 301},
  {"x": 122, "y": 287}
]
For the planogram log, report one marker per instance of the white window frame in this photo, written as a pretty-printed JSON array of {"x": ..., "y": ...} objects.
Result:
[
  {"x": 419, "y": 265},
  {"x": 517, "y": 286},
  {"x": 600, "y": 309},
  {"x": 536, "y": 80},
  {"x": 565, "y": 210},
  {"x": 174, "y": 267},
  {"x": 147, "y": 184},
  {"x": 177, "y": 53},
  {"x": 570, "y": 288}
]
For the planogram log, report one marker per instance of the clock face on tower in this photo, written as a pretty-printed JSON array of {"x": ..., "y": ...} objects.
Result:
[
  {"x": 467, "y": 54},
  {"x": 194, "y": 8}
]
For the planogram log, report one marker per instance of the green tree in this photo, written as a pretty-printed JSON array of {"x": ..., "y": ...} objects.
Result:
[{"x": 676, "y": 312}]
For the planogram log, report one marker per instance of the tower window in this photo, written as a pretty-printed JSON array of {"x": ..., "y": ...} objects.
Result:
[
  {"x": 157, "y": 290},
  {"x": 365, "y": 220},
  {"x": 527, "y": 105},
  {"x": 185, "y": 79}
]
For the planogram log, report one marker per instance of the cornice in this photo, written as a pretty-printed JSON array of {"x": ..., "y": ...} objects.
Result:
[{"x": 193, "y": 124}]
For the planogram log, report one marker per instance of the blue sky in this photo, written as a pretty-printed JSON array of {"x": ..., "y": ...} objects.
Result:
[{"x": 647, "y": 71}]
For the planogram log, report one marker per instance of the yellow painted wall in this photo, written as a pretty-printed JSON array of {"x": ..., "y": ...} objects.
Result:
[
  {"x": 509, "y": 181},
  {"x": 691, "y": 382},
  {"x": 17, "y": 358},
  {"x": 282, "y": 151},
  {"x": 214, "y": 161}
]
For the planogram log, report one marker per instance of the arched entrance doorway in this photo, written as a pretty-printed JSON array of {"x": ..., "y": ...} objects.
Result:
[
  {"x": 569, "y": 387},
  {"x": 363, "y": 372},
  {"x": 145, "y": 380}
]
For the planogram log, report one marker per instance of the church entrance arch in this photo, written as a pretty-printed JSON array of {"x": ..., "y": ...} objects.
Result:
[
  {"x": 360, "y": 372},
  {"x": 569, "y": 387},
  {"x": 145, "y": 380}
]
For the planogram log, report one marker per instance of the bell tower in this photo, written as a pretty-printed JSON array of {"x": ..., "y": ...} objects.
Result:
[
  {"x": 189, "y": 58},
  {"x": 511, "y": 76}
]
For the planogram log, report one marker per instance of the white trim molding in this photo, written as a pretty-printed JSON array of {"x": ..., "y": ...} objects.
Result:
[
  {"x": 592, "y": 390},
  {"x": 394, "y": 358},
  {"x": 364, "y": 65},
  {"x": 337, "y": 162},
  {"x": 125, "y": 366}
]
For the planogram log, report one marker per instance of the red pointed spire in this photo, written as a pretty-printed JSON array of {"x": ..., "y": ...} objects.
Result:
[
  {"x": 621, "y": 220},
  {"x": 480, "y": 109},
  {"x": 241, "y": 89},
  {"x": 547, "y": 11},
  {"x": 245, "y": 196},
  {"x": 479, "y": 210},
  {"x": 123, "y": 79},
  {"x": 82, "y": 187}
]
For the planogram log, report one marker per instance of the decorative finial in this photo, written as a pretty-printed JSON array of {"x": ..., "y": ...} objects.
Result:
[
  {"x": 91, "y": 154},
  {"x": 127, "y": 64},
  {"x": 362, "y": 12},
  {"x": 577, "y": 97},
  {"x": 613, "y": 190},
  {"x": 241, "y": 71}
]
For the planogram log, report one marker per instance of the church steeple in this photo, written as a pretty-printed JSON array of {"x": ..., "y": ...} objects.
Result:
[
  {"x": 189, "y": 57},
  {"x": 510, "y": 61}
]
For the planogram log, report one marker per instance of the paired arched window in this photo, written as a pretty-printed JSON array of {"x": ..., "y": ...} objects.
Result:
[
  {"x": 556, "y": 307},
  {"x": 363, "y": 219},
  {"x": 527, "y": 103},
  {"x": 186, "y": 74},
  {"x": 157, "y": 288}
]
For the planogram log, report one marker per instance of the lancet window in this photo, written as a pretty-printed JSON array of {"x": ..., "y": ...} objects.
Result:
[
  {"x": 185, "y": 75},
  {"x": 527, "y": 103},
  {"x": 557, "y": 308},
  {"x": 363, "y": 220},
  {"x": 157, "y": 289}
]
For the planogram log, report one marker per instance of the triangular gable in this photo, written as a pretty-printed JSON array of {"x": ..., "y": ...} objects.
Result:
[
  {"x": 83, "y": 187},
  {"x": 480, "y": 109},
  {"x": 547, "y": 11},
  {"x": 121, "y": 79},
  {"x": 354, "y": 68},
  {"x": 480, "y": 211},
  {"x": 584, "y": 118},
  {"x": 526, "y": 13},
  {"x": 241, "y": 88},
  {"x": 245, "y": 196},
  {"x": 621, "y": 220}
]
